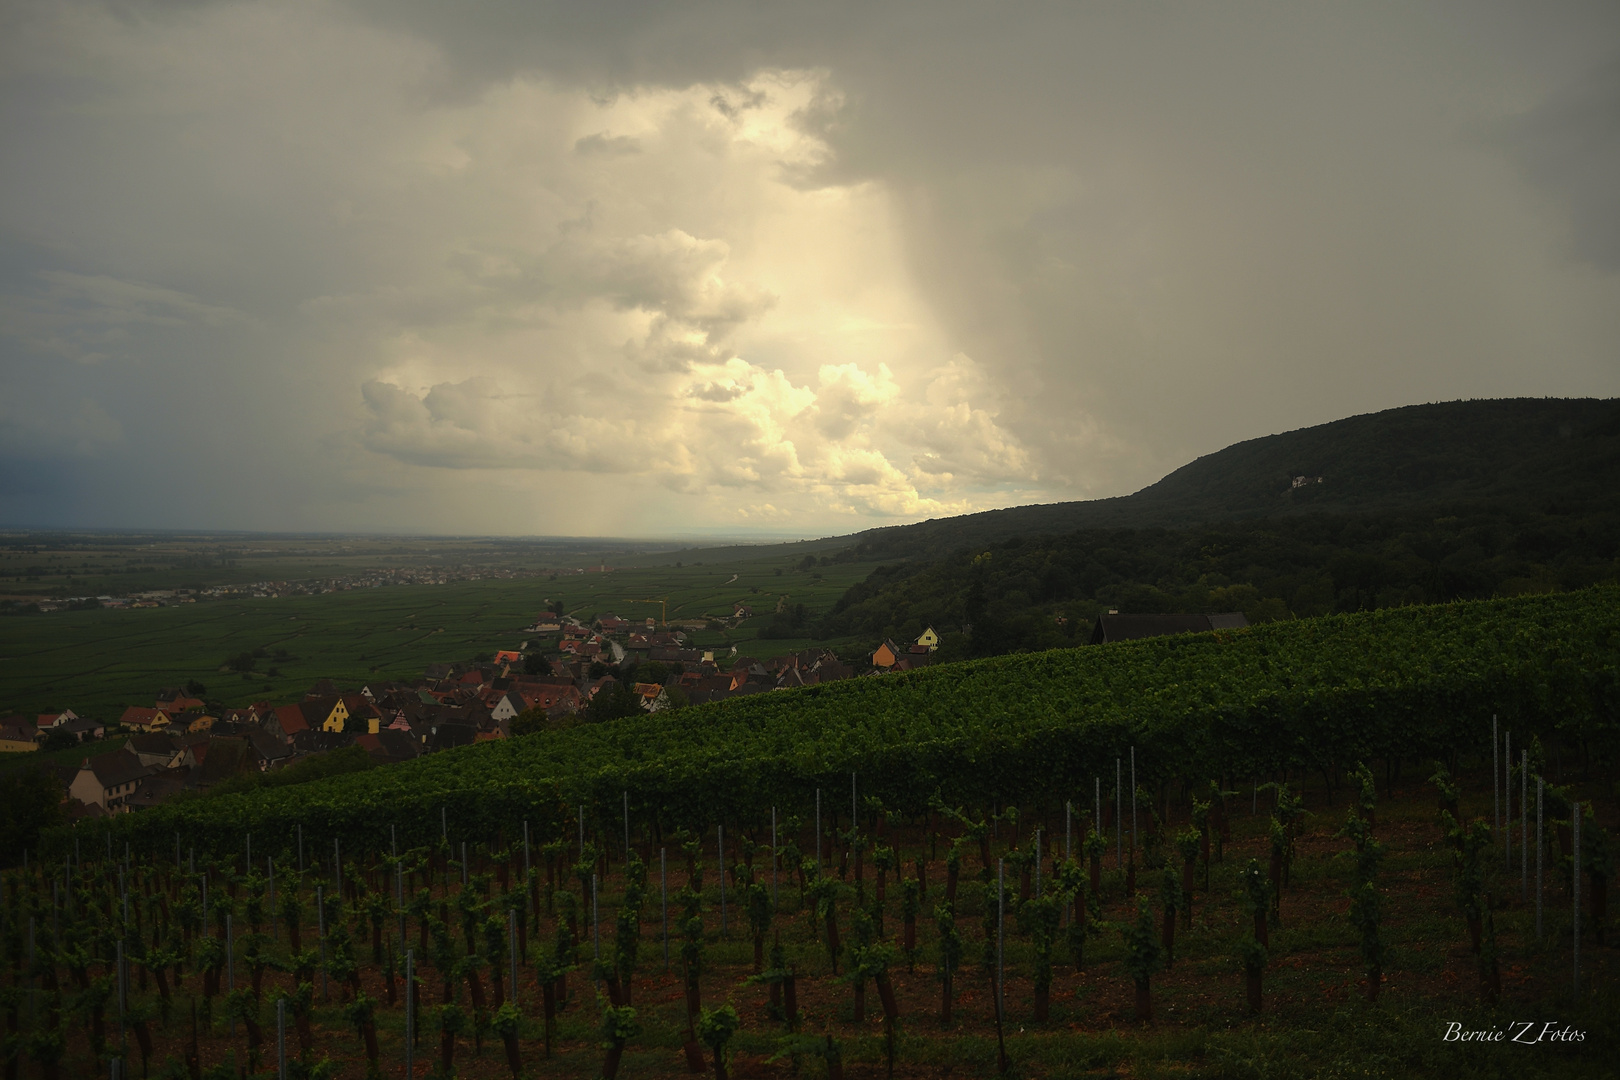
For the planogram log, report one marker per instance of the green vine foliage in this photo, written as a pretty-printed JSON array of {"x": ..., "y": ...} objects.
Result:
[
  {"x": 1039, "y": 918},
  {"x": 1309, "y": 694},
  {"x": 1366, "y": 905},
  {"x": 1144, "y": 956},
  {"x": 717, "y": 1026},
  {"x": 1468, "y": 869},
  {"x": 1190, "y": 839},
  {"x": 1170, "y": 894},
  {"x": 619, "y": 1026},
  {"x": 1071, "y": 883},
  {"x": 950, "y": 941}
]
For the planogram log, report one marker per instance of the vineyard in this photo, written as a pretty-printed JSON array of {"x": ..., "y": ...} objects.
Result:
[{"x": 1273, "y": 851}]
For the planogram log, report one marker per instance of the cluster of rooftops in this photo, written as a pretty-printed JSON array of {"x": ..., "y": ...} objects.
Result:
[{"x": 184, "y": 743}]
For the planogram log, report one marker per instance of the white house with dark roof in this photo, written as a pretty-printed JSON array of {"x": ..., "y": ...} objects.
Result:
[{"x": 108, "y": 780}]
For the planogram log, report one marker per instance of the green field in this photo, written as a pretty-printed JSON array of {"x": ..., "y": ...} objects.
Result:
[{"x": 100, "y": 660}]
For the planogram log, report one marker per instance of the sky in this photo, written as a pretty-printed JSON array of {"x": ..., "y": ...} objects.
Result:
[{"x": 757, "y": 269}]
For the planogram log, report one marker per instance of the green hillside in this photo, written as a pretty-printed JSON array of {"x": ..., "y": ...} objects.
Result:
[
  {"x": 1427, "y": 504},
  {"x": 1548, "y": 455},
  {"x": 1413, "y": 683}
]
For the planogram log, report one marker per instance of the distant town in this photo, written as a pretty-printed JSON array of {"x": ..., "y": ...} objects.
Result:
[
  {"x": 367, "y": 579},
  {"x": 575, "y": 672}
]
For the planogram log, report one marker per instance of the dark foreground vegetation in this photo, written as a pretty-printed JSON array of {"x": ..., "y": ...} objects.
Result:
[{"x": 1308, "y": 878}]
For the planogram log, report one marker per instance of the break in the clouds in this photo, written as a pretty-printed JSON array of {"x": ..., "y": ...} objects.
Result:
[{"x": 623, "y": 269}]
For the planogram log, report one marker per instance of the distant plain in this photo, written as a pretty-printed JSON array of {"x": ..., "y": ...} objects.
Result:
[{"x": 96, "y": 661}]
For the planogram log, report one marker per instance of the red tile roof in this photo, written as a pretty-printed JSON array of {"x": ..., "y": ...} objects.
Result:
[
  {"x": 136, "y": 715},
  {"x": 291, "y": 719}
]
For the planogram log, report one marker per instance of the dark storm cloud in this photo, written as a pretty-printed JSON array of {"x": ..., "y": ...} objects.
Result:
[
  {"x": 1570, "y": 148},
  {"x": 371, "y": 248}
]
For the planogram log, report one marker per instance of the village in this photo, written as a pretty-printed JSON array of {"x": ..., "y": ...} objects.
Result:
[
  {"x": 577, "y": 672},
  {"x": 272, "y": 589}
]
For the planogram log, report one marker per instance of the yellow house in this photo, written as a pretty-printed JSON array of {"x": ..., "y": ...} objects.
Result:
[
  {"x": 929, "y": 638},
  {"x": 193, "y": 723},
  {"x": 16, "y": 739},
  {"x": 137, "y": 718},
  {"x": 336, "y": 718}
]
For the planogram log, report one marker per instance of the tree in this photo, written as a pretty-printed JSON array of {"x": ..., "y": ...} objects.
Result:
[
  {"x": 910, "y": 908},
  {"x": 362, "y": 1016},
  {"x": 613, "y": 702},
  {"x": 30, "y": 800},
  {"x": 1143, "y": 956},
  {"x": 1039, "y": 918},
  {"x": 1071, "y": 883},
  {"x": 549, "y": 973},
  {"x": 619, "y": 1027},
  {"x": 1171, "y": 900},
  {"x": 59, "y": 739},
  {"x": 507, "y": 1019},
  {"x": 1253, "y": 956},
  {"x": 1189, "y": 841},
  {"x": 1365, "y": 902},
  {"x": 452, "y": 1021},
  {"x": 757, "y": 903},
  {"x": 1468, "y": 872},
  {"x": 716, "y": 1029},
  {"x": 950, "y": 955}
]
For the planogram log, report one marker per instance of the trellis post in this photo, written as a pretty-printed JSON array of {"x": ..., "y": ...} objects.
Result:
[
  {"x": 320, "y": 933},
  {"x": 1507, "y": 798},
  {"x": 1496, "y": 777},
  {"x": 1575, "y": 826},
  {"x": 1540, "y": 830}
]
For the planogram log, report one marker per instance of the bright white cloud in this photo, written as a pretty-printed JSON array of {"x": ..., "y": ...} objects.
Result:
[
  {"x": 607, "y": 338},
  {"x": 343, "y": 264}
]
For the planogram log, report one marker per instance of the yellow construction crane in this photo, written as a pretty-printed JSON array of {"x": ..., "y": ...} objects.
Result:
[{"x": 663, "y": 607}]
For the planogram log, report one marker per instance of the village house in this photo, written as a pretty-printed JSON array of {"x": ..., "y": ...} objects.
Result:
[
  {"x": 886, "y": 655},
  {"x": 82, "y": 728},
  {"x": 108, "y": 780},
  {"x": 46, "y": 721},
  {"x": 17, "y": 735},
  {"x": 191, "y": 723},
  {"x": 156, "y": 751},
  {"x": 157, "y": 788},
  {"x": 268, "y": 750},
  {"x": 137, "y": 718},
  {"x": 390, "y": 746},
  {"x": 226, "y": 757},
  {"x": 287, "y": 721}
]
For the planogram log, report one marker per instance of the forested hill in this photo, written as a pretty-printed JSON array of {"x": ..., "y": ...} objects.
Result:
[
  {"x": 1432, "y": 503},
  {"x": 1542, "y": 455}
]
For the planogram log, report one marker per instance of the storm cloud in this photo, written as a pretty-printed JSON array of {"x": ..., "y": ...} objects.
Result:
[{"x": 655, "y": 269}]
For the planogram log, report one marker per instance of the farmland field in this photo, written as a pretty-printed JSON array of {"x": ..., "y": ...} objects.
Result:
[
  {"x": 99, "y": 660},
  {"x": 1240, "y": 959}
]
